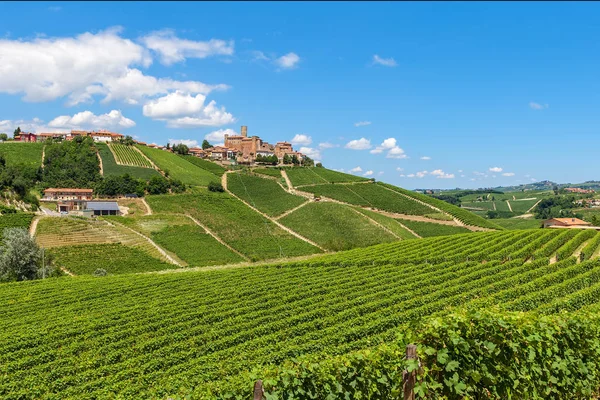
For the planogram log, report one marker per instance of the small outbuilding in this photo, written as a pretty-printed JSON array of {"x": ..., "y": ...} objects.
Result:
[
  {"x": 565, "y": 223},
  {"x": 104, "y": 207}
]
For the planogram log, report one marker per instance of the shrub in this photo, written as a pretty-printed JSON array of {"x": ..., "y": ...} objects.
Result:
[
  {"x": 100, "y": 272},
  {"x": 215, "y": 187}
]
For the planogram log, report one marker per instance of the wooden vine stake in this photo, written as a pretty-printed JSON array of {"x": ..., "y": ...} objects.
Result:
[
  {"x": 258, "y": 390},
  {"x": 409, "y": 377}
]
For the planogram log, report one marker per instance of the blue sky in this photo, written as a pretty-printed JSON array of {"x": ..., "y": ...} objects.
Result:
[{"x": 491, "y": 93}]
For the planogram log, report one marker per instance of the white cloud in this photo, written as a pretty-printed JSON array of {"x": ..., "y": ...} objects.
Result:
[
  {"x": 182, "y": 110},
  {"x": 187, "y": 142},
  {"x": 410, "y": 175},
  {"x": 88, "y": 120},
  {"x": 327, "y": 145},
  {"x": 460, "y": 170},
  {"x": 368, "y": 173},
  {"x": 495, "y": 169},
  {"x": 399, "y": 169},
  {"x": 356, "y": 169},
  {"x": 396, "y": 152},
  {"x": 362, "y": 123},
  {"x": 83, "y": 67},
  {"x": 441, "y": 174},
  {"x": 508, "y": 174},
  {"x": 389, "y": 145},
  {"x": 537, "y": 106},
  {"x": 219, "y": 135},
  {"x": 35, "y": 125},
  {"x": 288, "y": 61},
  {"x": 380, "y": 173},
  {"x": 388, "y": 62},
  {"x": 259, "y": 55},
  {"x": 172, "y": 49},
  {"x": 301, "y": 139},
  {"x": 313, "y": 153},
  {"x": 425, "y": 158},
  {"x": 359, "y": 144}
]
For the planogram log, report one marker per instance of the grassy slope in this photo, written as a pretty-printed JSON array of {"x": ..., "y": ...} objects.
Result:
[
  {"x": 178, "y": 167},
  {"x": 264, "y": 194},
  {"x": 18, "y": 220},
  {"x": 205, "y": 164},
  {"x": 518, "y": 223},
  {"x": 426, "y": 229},
  {"x": 110, "y": 167},
  {"x": 108, "y": 337},
  {"x": 388, "y": 222},
  {"x": 274, "y": 172},
  {"x": 235, "y": 223},
  {"x": 129, "y": 156},
  {"x": 313, "y": 175},
  {"x": 335, "y": 226},
  {"x": 114, "y": 258},
  {"x": 17, "y": 153}
]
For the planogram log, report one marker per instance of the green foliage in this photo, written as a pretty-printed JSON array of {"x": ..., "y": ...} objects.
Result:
[
  {"x": 113, "y": 258},
  {"x": 127, "y": 155},
  {"x": 591, "y": 248},
  {"x": 14, "y": 220},
  {"x": 205, "y": 164},
  {"x": 71, "y": 164},
  {"x": 215, "y": 187},
  {"x": 3, "y": 137},
  {"x": 206, "y": 145},
  {"x": 428, "y": 229},
  {"x": 22, "y": 153},
  {"x": 120, "y": 185},
  {"x": 111, "y": 168},
  {"x": 264, "y": 194},
  {"x": 556, "y": 207},
  {"x": 519, "y": 223},
  {"x": 389, "y": 223},
  {"x": 178, "y": 167},
  {"x": 20, "y": 256},
  {"x": 272, "y": 159},
  {"x": 158, "y": 185},
  {"x": 318, "y": 175},
  {"x": 181, "y": 149},
  {"x": 335, "y": 226}
]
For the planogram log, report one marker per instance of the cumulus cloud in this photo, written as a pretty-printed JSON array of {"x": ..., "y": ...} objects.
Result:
[
  {"x": 301, "y": 139},
  {"x": 421, "y": 174},
  {"x": 368, "y": 173},
  {"x": 359, "y": 144},
  {"x": 187, "y": 142},
  {"x": 396, "y": 152},
  {"x": 389, "y": 146},
  {"x": 219, "y": 135},
  {"x": 495, "y": 169},
  {"x": 356, "y": 169},
  {"x": 34, "y": 125},
  {"x": 508, "y": 174},
  {"x": 288, "y": 61},
  {"x": 362, "y": 123},
  {"x": 182, "y": 110},
  {"x": 387, "y": 62},
  {"x": 88, "y": 120},
  {"x": 172, "y": 49},
  {"x": 399, "y": 169},
  {"x": 537, "y": 106},
  {"x": 327, "y": 145},
  {"x": 425, "y": 158},
  {"x": 313, "y": 153},
  {"x": 83, "y": 67},
  {"x": 438, "y": 173}
]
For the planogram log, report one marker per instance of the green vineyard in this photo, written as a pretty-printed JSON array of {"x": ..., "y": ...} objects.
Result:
[
  {"x": 127, "y": 155},
  {"x": 18, "y": 220},
  {"x": 211, "y": 334}
]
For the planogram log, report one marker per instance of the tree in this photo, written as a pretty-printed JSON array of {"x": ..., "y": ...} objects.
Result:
[
  {"x": 215, "y": 187},
  {"x": 158, "y": 185},
  {"x": 21, "y": 258},
  {"x": 128, "y": 140},
  {"x": 555, "y": 189},
  {"x": 206, "y": 145},
  {"x": 3, "y": 136},
  {"x": 168, "y": 146},
  {"x": 17, "y": 131},
  {"x": 287, "y": 159},
  {"x": 319, "y": 165},
  {"x": 308, "y": 162},
  {"x": 181, "y": 149}
]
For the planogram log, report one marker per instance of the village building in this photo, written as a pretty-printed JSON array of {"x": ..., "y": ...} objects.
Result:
[
  {"x": 247, "y": 148},
  {"x": 26, "y": 137},
  {"x": 579, "y": 190},
  {"x": 565, "y": 223},
  {"x": 55, "y": 194},
  {"x": 198, "y": 152}
]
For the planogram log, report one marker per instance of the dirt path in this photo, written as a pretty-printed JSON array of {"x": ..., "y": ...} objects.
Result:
[
  {"x": 157, "y": 247},
  {"x": 148, "y": 209},
  {"x": 285, "y": 228},
  {"x": 408, "y": 229},
  {"x": 372, "y": 221},
  {"x": 337, "y": 183},
  {"x": 66, "y": 271},
  {"x": 218, "y": 239},
  {"x": 292, "y": 210},
  {"x": 100, "y": 160},
  {"x": 509, "y": 207},
  {"x": 33, "y": 226},
  {"x": 494, "y": 204},
  {"x": 533, "y": 206},
  {"x": 287, "y": 181},
  {"x": 413, "y": 217},
  {"x": 43, "y": 155},
  {"x": 524, "y": 216}
]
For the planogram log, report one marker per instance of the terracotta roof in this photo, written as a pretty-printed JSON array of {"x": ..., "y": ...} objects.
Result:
[
  {"x": 569, "y": 221},
  {"x": 68, "y": 190}
]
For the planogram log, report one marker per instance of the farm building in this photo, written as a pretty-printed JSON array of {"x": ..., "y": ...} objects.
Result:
[
  {"x": 103, "y": 207},
  {"x": 25, "y": 137},
  {"x": 565, "y": 223},
  {"x": 54, "y": 194}
]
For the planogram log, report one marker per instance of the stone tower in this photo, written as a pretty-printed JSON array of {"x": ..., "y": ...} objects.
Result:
[{"x": 244, "y": 131}]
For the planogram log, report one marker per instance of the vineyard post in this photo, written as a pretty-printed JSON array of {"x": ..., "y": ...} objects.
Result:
[
  {"x": 408, "y": 377},
  {"x": 258, "y": 390}
]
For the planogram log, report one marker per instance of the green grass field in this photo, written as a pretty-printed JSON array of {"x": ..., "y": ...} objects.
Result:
[
  {"x": 242, "y": 228},
  {"x": 205, "y": 164},
  {"x": 372, "y": 195},
  {"x": 127, "y": 155},
  {"x": 522, "y": 206},
  {"x": 518, "y": 223},
  {"x": 199, "y": 334},
  {"x": 114, "y": 258},
  {"x": 335, "y": 226},
  {"x": 389, "y": 223},
  {"x": 110, "y": 167},
  {"x": 315, "y": 176},
  {"x": 427, "y": 229},
  {"x": 178, "y": 167},
  {"x": 264, "y": 194},
  {"x": 274, "y": 172},
  {"x": 19, "y": 153}
]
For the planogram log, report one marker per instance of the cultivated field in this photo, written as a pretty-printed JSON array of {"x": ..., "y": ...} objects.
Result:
[
  {"x": 110, "y": 167},
  {"x": 427, "y": 229},
  {"x": 19, "y": 153},
  {"x": 205, "y": 164},
  {"x": 201, "y": 333},
  {"x": 127, "y": 155},
  {"x": 276, "y": 173},
  {"x": 315, "y": 176},
  {"x": 19, "y": 220},
  {"x": 179, "y": 167}
]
